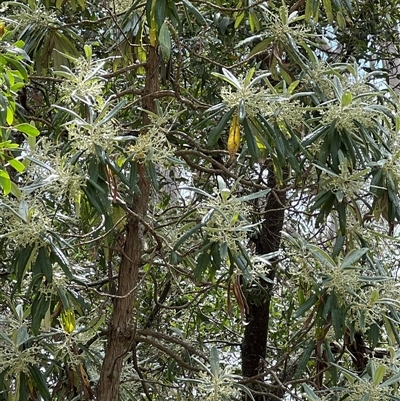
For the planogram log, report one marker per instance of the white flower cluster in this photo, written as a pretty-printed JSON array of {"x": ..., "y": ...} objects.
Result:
[
  {"x": 281, "y": 31},
  {"x": 83, "y": 84},
  {"x": 24, "y": 222},
  {"x": 217, "y": 387},
  {"x": 13, "y": 361},
  {"x": 86, "y": 138},
  {"x": 258, "y": 100},
  {"x": 345, "y": 116},
  {"x": 320, "y": 75},
  {"x": 37, "y": 15},
  {"x": 358, "y": 390},
  {"x": 254, "y": 98},
  {"x": 341, "y": 282},
  {"x": 153, "y": 145},
  {"x": 60, "y": 177},
  {"x": 59, "y": 281},
  {"x": 346, "y": 184},
  {"x": 367, "y": 303},
  {"x": 66, "y": 351},
  {"x": 225, "y": 218}
]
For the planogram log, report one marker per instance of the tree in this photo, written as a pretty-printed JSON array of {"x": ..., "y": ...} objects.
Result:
[{"x": 200, "y": 199}]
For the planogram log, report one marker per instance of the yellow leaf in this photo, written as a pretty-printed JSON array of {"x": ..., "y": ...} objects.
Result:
[
  {"x": 68, "y": 320},
  {"x": 234, "y": 136},
  {"x": 153, "y": 31}
]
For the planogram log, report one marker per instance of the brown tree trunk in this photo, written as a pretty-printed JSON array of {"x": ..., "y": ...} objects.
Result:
[
  {"x": 256, "y": 332},
  {"x": 120, "y": 329}
]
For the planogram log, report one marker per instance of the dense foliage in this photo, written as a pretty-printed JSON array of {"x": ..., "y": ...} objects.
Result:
[{"x": 199, "y": 200}]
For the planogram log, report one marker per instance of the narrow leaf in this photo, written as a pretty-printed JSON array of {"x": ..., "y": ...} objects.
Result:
[{"x": 27, "y": 129}]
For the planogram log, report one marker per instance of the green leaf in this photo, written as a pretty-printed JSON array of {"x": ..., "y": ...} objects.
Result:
[
  {"x": 114, "y": 111},
  {"x": 5, "y": 181},
  {"x": 353, "y": 256},
  {"x": 321, "y": 255},
  {"x": 283, "y": 12},
  {"x": 165, "y": 42},
  {"x": 22, "y": 261},
  {"x": 309, "y": 11},
  {"x": 88, "y": 51},
  {"x": 228, "y": 77},
  {"x": 64, "y": 298},
  {"x": 202, "y": 262},
  {"x": 351, "y": 376},
  {"x": 40, "y": 305},
  {"x": 27, "y": 129},
  {"x": 379, "y": 374},
  {"x": 305, "y": 357},
  {"x": 310, "y": 393},
  {"x": 304, "y": 307},
  {"x": 340, "y": 240},
  {"x": 340, "y": 20},
  {"x": 250, "y": 140},
  {"x": 151, "y": 170},
  {"x": 239, "y": 19},
  {"x": 254, "y": 195},
  {"x": 214, "y": 361},
  {"x": 253, "y": 21},
  {"x": 337, "y": 322},
  {"x": 328, "y": 10},
  {"x": 17, "y": 165},
  {"x": 43, "y": 264},
  {"x": 394, "y": 379},
  {"x": 22, "y": 336},
  {"x": 192, "y": 9},
  {"x": 9, "y": 115},
  {"x": 59, "y": 257},
  {"x": 40, "y": 382},
  {"x": 159, "y": 8},
  {"x": 260, "y": 47},
  {"x": 187, "y": 235},
  {"x": 217, "y": 131},
  {"x": 374, "y": 334}
]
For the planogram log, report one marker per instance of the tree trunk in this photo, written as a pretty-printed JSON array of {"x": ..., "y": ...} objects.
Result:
[
  {"x": 268, "y": 240},
  {"x": 120, "y": 329}
]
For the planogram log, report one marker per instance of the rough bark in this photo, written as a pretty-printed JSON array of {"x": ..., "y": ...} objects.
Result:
[
  {"x": 268, "y": 240},
  {"x": 120, "y": 329}
]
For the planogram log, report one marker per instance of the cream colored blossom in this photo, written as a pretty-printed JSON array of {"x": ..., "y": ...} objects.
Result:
[
  {"x": 346, "y": 184},
  {"x": 65, "y": 350},
  {"x": 86, "y": 138},
  {"x": 37, "y": 15},
  {"x": 356, "y": 391},
  {"x": 217, "y": 387},
  {"x": 152, "y": 144},
  {"x": 61, "y": 178},
  {"x": 345, "y": 116},
  {"x": 342, "y": 282},
  {"x": 84, "y": 83},
  {"x": 274, "y": 107},
  {"x": 253, "y": 97},
  {"x": 14, "y": 361},
  {"x": 59, "y": 280},
  {"x": 24, "y": 222},
  {"x": 225, "y": 218}
]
